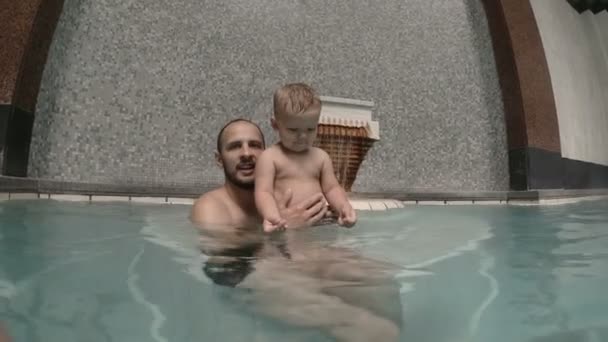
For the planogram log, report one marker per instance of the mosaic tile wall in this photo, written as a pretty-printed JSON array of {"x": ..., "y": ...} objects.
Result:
[{"x": 135, "y": 91}]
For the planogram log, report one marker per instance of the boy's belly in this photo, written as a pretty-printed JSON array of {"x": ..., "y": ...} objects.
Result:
[{"x": 302, "y": 189}]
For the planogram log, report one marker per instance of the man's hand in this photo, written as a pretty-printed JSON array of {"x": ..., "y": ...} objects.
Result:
[{"x": 303, "y": 214}]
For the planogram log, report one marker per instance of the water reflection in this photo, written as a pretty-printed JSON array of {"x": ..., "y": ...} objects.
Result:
[
  {"x": 299, "y": 280},
  {"x": 93, "y": 273},
  {"x": 63, "y": 266},
  {"x": 551, "y": 263}
]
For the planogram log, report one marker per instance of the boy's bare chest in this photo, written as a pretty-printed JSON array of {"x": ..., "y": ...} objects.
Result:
[{"x": 298, "y": 167}]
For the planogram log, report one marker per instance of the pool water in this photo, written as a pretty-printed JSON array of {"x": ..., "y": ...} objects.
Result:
[{"x": 74, "y": 271}]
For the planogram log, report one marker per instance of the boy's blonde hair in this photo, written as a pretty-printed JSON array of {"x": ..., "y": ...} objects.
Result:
[{"x": 295, "y": 98}]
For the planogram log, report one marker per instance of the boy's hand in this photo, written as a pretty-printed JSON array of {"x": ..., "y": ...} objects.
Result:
[
  {"x": 348, "y": 216},
  {"x": 274, "y": 223}
]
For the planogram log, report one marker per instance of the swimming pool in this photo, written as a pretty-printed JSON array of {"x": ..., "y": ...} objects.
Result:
[{"x": 131, "y": 272}]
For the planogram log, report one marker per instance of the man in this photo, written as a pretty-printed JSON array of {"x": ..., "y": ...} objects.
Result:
[
  {"x": 312, "y": 287},
  {"x": 239, "y": 144},
  {"x": 4, "y": 335},
  {"x": 227, "y": 217}
]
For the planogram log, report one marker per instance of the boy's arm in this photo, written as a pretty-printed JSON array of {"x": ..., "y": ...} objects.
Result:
[
  {"x": 264, "y": 187},
  {"x": 333, "y": 191},
  {"x": 335, "y": 194}
]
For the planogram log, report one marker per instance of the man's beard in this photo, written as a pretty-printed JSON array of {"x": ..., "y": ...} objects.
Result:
[{"x": 238, "y": 183}]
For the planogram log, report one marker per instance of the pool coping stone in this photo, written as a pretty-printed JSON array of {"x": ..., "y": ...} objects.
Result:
[{"x": 12, "y": 188}]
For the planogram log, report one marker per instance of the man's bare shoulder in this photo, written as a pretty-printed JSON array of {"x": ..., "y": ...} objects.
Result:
[
  {"x": 272, "y": 151},
  {"x": 211, "y": 207}
]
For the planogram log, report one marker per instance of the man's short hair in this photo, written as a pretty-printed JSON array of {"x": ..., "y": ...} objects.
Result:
[
  {"x": 219, "y": 136},
  {"x": 294, "y": 98}
]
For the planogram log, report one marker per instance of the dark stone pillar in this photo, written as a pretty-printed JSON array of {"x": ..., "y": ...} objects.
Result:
[
  {"x": 535, "y": 160},
  {"x": 27, "y": 28}
]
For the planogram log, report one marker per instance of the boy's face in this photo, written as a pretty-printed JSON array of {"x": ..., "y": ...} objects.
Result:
[{"x": 297, "y": 132}]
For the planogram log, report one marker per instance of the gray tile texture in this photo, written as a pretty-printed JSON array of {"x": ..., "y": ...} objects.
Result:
[{"x": 134, "y": 91}]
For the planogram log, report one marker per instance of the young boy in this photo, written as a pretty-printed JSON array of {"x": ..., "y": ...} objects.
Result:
[{"x": 293, "y": 163}]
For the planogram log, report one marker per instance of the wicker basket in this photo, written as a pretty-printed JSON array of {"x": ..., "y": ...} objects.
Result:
[{"x": 347, "y": 148}]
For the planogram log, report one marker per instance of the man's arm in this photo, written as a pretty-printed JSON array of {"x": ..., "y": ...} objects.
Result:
[
  {"x": 208, "y": 209},
  {"x": 217, "y": 232},
  {"x": 264, "y": 190}
]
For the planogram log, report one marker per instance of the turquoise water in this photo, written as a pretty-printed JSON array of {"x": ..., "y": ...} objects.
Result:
[{"x": 126, "y": 272}]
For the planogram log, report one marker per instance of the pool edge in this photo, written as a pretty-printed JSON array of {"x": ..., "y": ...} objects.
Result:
[{"x": 15, "y": 188}]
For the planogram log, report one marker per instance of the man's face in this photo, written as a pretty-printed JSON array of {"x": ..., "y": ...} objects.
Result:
[{"x": 241, "y": 145}]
